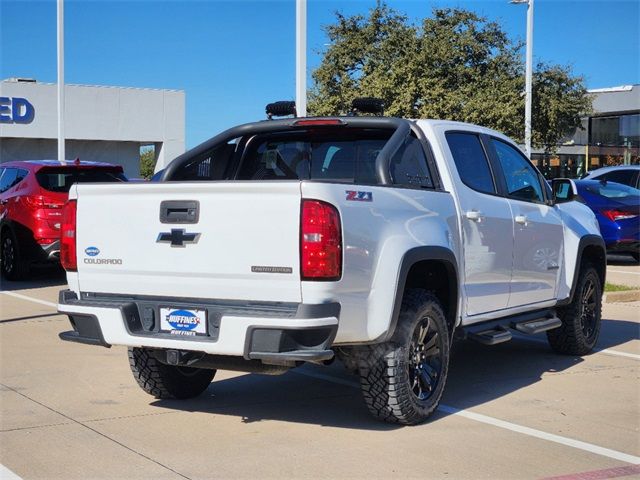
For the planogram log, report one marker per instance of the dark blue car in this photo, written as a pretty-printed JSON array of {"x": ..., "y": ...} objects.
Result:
[{"x": 617, "y": 208}]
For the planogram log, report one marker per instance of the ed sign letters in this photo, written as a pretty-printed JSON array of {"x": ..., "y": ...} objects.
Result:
[{"x": 16, "y": 110}]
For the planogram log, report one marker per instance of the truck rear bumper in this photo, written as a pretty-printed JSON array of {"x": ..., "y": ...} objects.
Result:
[{"x": 271, "y": 332}]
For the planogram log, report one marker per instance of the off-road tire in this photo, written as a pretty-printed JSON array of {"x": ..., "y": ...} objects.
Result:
[
  {"x": 388, "y": 371},
  {"x": 581, "y": 319},
  {"x": 167, "y": 381},
  {"x": 13, "y": 264}
]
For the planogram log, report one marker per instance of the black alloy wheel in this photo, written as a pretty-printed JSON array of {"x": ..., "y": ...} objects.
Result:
[
  {"x": 8, "y": 256},
  {"x": 588, "y": 303},
  {"x": 14, "y": 265},
  {"x": 425, "y": 359},
  {"x": 581, "y": 319},
  {"x": 402, "y": 380}
]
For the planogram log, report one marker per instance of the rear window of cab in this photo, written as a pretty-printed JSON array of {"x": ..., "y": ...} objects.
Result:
[{"x": 318, "y": 154}]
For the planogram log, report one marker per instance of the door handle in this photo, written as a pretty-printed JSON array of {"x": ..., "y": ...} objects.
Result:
[
  {"x": 474, "y": 215},
  {"x": 4, "y": 202},
  {"x": 521, "y": 219},
  {"x": 179, "y": 211}
]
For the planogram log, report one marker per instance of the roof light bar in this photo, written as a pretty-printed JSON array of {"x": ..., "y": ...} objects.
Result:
[
  {"x": 280, "y": 109},
  {"x": 367, "y": 105}
]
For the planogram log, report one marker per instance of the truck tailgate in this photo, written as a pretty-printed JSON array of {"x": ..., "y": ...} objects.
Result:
[{"x": 246, "y": 244}]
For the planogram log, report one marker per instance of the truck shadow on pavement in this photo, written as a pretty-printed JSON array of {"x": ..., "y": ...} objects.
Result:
[
  {"x": 41, "y": 276},
  {"x": 292, "y": 397},
  {"x": 329, "y": 396}
]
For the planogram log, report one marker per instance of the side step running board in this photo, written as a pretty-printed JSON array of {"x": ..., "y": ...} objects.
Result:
[
  {"x": 492, "y": 336},
  {"x": 532, "y": 327},
  {"x": 497, "y": 331}
]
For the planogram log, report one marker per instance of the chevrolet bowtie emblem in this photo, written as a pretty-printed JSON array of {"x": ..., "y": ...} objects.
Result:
[{"x": 177, "y": 237}]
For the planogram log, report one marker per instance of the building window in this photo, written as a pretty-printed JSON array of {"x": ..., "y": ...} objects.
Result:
[{"x": 618, "y": 131}]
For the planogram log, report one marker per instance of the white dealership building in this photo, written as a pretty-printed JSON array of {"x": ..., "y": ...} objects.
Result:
[{"x": 106, "y": 124}]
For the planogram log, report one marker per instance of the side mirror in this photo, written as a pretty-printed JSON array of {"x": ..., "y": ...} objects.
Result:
[{"x": 564, "y": 190}]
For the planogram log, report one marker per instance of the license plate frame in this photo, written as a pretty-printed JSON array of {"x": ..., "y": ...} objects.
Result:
[{"x": 184, "y": 321}]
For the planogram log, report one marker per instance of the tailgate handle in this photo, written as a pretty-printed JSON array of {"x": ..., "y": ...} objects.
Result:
[{"x": 179, "y": 211}]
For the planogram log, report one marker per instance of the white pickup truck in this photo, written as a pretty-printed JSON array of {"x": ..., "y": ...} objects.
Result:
[{"x": 369, "y": 238}]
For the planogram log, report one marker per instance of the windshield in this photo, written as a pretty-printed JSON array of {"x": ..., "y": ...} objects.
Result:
[
  {"x": 612, "y": 190},
  {"x": 60, "y": 179}
]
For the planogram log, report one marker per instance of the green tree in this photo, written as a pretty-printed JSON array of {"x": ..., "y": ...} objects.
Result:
[
  {"x": 147, "y": 162},
  {"x": 456, "y": 65}
]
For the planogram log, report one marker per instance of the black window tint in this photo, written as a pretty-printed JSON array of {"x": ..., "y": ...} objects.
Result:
[
  {"x": 522, "y": 179},
  {"x": 277, "y": 160},
  {"x": 619, "y": 176},
  {"x": 471, "y": 162},
  {"x": 409, "y": 165},
  {"x": 351, "y": 160},
  {"x": 60, "y": 179},
  {"x": 331, "y": 155},
  {"x": 212, "y": 165},
  {"x": 8, "y": 179}
]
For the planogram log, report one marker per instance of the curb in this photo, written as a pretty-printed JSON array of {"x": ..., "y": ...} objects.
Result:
[{"x": 625, "y": 296}]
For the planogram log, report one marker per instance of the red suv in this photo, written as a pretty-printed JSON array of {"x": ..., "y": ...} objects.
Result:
[{"x": 32, "y": 194}]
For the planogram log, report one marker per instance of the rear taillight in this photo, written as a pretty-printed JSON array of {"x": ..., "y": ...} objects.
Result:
[
  {"x": 40, "y": 201},
  {"x": 615, "y": 215},
  {"x": 68, "y": 237},
  {"x": 320, "y": 241}
]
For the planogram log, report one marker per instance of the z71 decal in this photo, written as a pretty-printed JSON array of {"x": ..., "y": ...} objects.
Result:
[{"x": 359, "y": 196}]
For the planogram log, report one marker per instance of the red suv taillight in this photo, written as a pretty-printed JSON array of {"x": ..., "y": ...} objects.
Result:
[
  {"x": 320, "y": 241},
  {"x": 68, "y": 237},
  {"x": 40, "y": 201}
]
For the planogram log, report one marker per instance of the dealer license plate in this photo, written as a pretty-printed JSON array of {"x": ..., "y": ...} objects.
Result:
[{"x": 183, "y": 321}]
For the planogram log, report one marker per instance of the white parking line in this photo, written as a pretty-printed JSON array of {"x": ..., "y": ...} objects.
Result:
[
  {"x": 6, "y": 474},
  {"x": 623, "y": 271},
  {"x": 532, "y": 432},
  {"x": 619, "y": 354},
  {"x": 606, "y": 351},
  {"x": 30, "y": 299}
]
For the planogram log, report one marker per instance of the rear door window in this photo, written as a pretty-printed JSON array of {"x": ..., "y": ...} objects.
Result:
[
  {"x": 60, "y": 179},
  {"x": 471, "y": 161}
]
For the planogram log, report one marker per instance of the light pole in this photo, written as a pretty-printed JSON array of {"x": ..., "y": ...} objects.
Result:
[
  {"x": 301, "y": 58},
  {"x": 528, "y": 76},
  {"x": 60, "y": 24}
]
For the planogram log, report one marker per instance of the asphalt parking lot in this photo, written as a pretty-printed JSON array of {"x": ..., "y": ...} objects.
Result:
[{"x": 515, "y": 410}]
